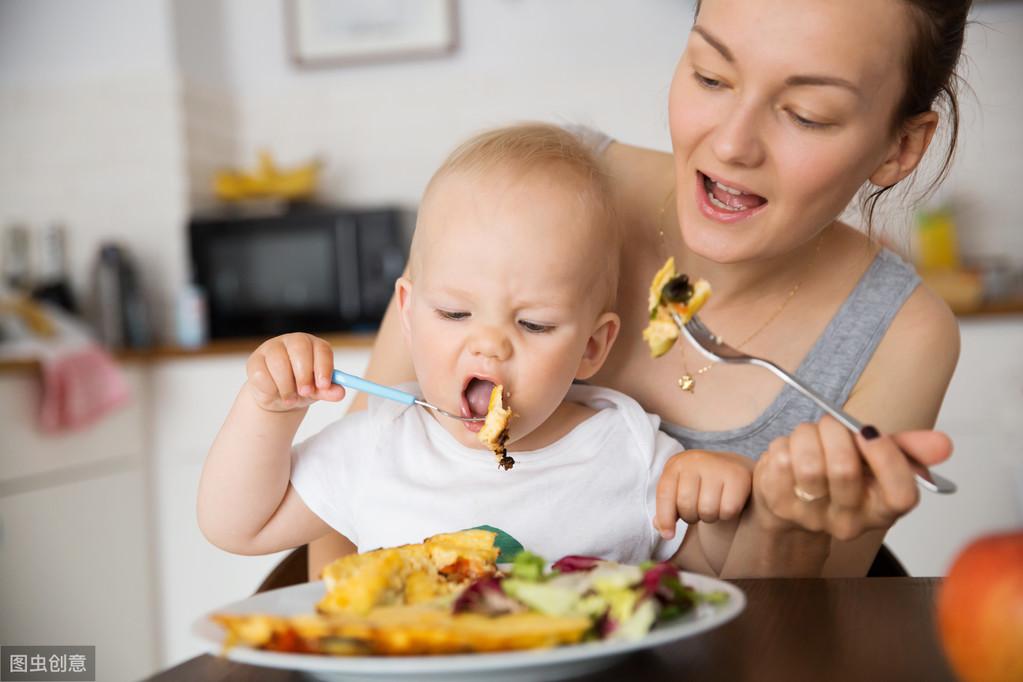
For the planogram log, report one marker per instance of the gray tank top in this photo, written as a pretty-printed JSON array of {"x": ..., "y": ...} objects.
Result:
[{"x": 833, "y": 365}]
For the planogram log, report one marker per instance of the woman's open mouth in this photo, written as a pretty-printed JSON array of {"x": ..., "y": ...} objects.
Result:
[
  {"x": 476, "y": 400},
  {"x": 724, "y": 203}
]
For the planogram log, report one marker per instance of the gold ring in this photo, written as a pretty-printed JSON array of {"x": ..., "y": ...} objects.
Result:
[{"x": 805, "y": 496}]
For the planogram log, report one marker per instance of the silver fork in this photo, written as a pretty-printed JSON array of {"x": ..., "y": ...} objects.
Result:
[{"x": 717, "y": 350}]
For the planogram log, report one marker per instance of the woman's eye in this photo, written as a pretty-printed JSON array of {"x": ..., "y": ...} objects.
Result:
[
  {"x": 806, "y": 122},
  {"x": 705, "y": 82},
  {"x": 452, "y": 314},
  {"x": 534, "y": 328}
]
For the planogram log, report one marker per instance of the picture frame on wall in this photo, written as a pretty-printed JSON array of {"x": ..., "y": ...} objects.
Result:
[{"x": 326, "y": 33}]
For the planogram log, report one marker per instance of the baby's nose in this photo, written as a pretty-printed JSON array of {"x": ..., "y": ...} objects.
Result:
[{"x": 490, "y": 342}]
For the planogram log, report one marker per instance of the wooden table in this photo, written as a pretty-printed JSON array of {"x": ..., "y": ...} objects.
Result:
[{"x": 791, "y": 630}]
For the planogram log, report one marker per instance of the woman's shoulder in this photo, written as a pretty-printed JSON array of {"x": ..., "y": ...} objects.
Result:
[
  {"x": 914, "y": 361},
  {"x": 925, "y": 325}
]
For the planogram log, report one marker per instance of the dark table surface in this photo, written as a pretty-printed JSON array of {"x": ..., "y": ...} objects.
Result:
[{"x": 792, "y": 629}]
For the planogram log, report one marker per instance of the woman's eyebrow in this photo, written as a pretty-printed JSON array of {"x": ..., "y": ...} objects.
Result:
[
  {"x": 822, "y": 80},
  {"x": 714, "y": 42},
  {"x": 792, "y": 81}
]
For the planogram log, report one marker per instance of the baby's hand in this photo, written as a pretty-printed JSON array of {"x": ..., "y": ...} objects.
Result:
[
  {"x": 290, "y": 372},
  {"x": 702, "y": 486}
]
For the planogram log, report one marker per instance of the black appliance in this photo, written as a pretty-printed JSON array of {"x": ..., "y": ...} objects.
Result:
[{"x": 314, "y": 269}]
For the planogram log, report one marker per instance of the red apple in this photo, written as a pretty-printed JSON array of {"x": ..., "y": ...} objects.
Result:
[{"x": 980, "y": 609}]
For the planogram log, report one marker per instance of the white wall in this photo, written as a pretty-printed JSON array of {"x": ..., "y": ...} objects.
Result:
[{"x": 90, "y": 130}]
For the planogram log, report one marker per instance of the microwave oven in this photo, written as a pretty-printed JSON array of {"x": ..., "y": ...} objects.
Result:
[{"x": 315, "y": 269}]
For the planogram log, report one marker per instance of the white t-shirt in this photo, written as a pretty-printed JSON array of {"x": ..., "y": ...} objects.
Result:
[{"x": 392, "y": 475}]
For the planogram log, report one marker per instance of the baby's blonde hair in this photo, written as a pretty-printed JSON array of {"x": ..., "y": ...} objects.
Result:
[{"x": 528, "y": 147}]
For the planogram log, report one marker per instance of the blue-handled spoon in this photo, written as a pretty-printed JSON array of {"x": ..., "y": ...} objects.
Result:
[{"x": 367, "y": 386}]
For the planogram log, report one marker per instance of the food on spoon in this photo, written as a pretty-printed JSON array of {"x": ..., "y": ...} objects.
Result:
[
  {"x": 435, "y": 570},
  {"x": 532, "y": 607},
  {"x": 671, "y": 292},
  {"x": 494, "y": 433}
]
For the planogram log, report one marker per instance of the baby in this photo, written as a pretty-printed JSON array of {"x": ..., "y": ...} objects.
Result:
[{"x": 512, "y": 281}]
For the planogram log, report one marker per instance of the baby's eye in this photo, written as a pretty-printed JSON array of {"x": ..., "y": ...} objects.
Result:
[
  {"x": 453, "y": 314},
  {"x": 534, "y": 327}
]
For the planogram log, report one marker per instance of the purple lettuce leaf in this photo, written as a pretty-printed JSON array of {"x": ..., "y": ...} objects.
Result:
[{"x": 485, "y": 596}]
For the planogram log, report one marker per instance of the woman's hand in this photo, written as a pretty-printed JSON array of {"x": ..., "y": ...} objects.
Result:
[
  {"x": 290, "y": 372},
  {"x": 822, "y": 478}
]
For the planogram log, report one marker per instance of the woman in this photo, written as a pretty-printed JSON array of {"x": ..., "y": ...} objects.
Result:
[{"x": 780, "y": 111}]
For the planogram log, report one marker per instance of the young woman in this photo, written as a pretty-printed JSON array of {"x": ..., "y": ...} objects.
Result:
[{"x": 781, "y": 111}]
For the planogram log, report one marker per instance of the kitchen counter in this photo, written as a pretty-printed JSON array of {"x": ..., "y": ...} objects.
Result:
[{"x": 212, "y": 349}]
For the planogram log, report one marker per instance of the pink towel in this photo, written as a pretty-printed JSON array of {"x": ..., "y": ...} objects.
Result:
[{"x": 80, "y": 385}]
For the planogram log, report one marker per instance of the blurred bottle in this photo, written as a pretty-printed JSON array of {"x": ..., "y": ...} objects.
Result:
[
  {"x": 190, "y": 322},
  {"x": 51, "y": 281},
  {"x": 120, "y": 315},
  {"x": 937, "y": 245},
  {"x": 16, "y": 258}
]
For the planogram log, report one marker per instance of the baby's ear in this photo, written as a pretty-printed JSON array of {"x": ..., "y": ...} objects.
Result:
[
  {"x": 599, "y": 344},
  {"x": 403, "y": 292}
]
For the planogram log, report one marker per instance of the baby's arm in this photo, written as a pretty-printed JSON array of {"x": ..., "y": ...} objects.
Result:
[
  {"x": 707, "y": 490},
  {"x": 246, "y": 504}
]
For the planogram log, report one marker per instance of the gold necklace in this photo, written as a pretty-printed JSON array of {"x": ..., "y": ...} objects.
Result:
[{"x": 687, "y": 382}]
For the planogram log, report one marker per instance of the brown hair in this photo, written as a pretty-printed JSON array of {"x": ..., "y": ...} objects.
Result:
[
  {"x": 527, "y": 147},
  {"x": 931, "y": 78}
]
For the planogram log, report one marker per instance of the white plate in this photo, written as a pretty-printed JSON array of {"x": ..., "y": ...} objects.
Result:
[{"x": 537, "y": 664}]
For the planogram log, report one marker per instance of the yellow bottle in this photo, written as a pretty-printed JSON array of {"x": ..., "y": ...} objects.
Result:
[{"x": 937, "y": 246}]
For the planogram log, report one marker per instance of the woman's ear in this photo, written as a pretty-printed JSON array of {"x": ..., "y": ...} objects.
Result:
[
  {"x": 403, "y": 292},
  {"x": 599, "y": 345},
  {"x": 906, "y": 150}
]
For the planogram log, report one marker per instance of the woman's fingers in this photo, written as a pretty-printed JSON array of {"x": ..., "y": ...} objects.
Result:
[
  {"x": 892, "y": 470},
  {"x": 809, "y": 469},
  {"x": 926, "y": 447},
  {"x": 844, "y": 464}
]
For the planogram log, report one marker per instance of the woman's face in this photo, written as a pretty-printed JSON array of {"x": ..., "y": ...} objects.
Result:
[{"x": 779, "y": 111}]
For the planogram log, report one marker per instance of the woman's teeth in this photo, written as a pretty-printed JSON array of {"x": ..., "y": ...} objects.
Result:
[
  {"x": 730, "y": 190},
  {"x": 709, "y": 185}
]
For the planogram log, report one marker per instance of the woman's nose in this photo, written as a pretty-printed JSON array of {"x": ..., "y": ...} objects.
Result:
[
  {"x": 490, "y": 342},
  {"x": 737, "y": 140}
]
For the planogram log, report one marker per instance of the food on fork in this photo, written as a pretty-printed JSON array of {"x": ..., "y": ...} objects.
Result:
[
  {"x": 671, "y": 292},
  {"x": 494, "y": 433},
  {"x": 434, "y": 570}
]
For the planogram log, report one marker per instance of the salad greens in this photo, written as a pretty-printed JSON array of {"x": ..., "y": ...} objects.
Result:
[{"x": 623, "y": 601}]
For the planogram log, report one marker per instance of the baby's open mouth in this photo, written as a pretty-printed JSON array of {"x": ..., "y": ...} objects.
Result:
[
  {"x": 476, "y": 397},
  {"x": 729, "y": 198}
]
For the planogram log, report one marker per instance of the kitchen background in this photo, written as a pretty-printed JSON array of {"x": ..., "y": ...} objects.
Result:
[{"x": 115, "y": 116}]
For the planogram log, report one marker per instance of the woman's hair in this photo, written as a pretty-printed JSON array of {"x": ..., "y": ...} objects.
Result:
[
  {"x": 541, "y": 147},
  {"x": 939, "y": 27}
]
